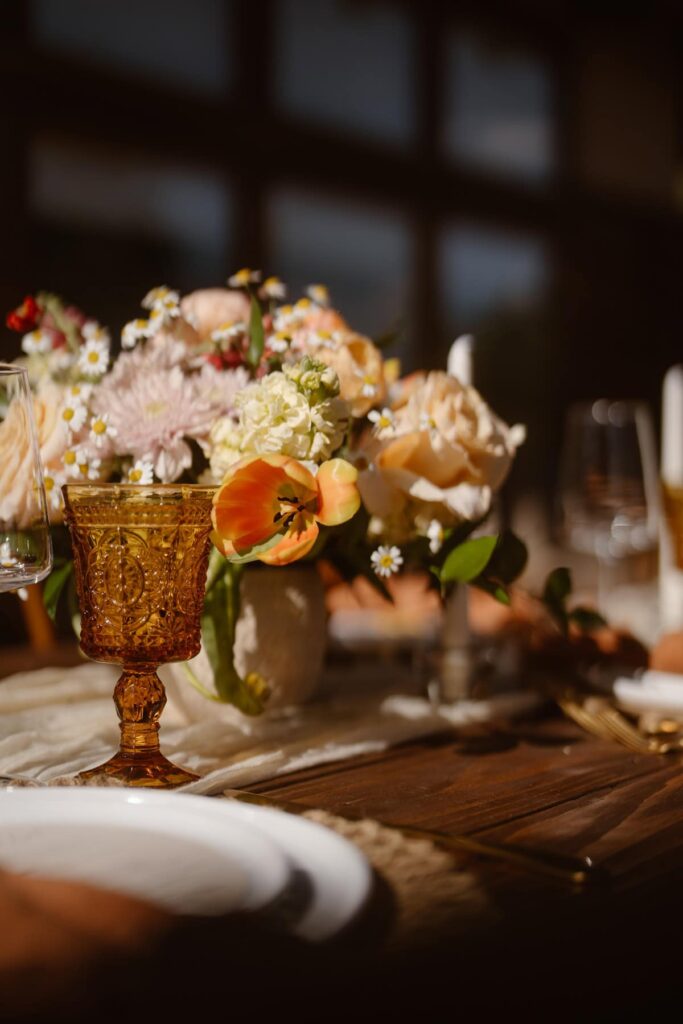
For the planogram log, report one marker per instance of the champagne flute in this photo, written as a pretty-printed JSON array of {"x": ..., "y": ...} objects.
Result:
[
  {"x": 609, "y": 492},
  {"x": 25, "y": 543}
]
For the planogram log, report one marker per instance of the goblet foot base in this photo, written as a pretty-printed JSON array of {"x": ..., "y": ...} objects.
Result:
[{"x": 150, "y": 769}]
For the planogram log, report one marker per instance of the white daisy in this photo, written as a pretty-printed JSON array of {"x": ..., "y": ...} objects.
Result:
[
  {"x": 37, "y": 342},
  {"x": 285, "y": 318},
  {"x": 244, "y": 277},
  {"x": 385, "y": 422},
  {"x": 70, "y": 462},
  {"x": 92, "y": 331},
  {"x": 386, "y": 560},
  {"x": 80, "y": 391},
  {"x": 321, "y": 339},
  {"x": 319, "y": 294},
  {"x": 279, "y": 342},
  {"x": 87, "y": 468},
  {"x": 74, "y": 414},
  {"x": 156, "y": 296},
  {"x": 53, "y": 489},
  {"x": 133, "y": 332},
  {"x": 101, "y": 429},
  {"x": 228, "y": 331},
  {"x": 369, "y": 388},
  {"x": 426, "y": 422},
  {"x": 163, "y": 313},
  {"x": 94, "y": 358},
  {"x": 142, "y": 472},
  {"x": 274, "y": 288},
  {"x": 435, "y": 536}
]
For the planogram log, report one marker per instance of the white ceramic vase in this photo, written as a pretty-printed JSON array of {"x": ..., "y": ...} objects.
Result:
[{"x": 281, "y": 634}]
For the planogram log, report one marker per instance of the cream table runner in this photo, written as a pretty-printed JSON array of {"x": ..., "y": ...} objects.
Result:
[{"x": 54, "y": 722}]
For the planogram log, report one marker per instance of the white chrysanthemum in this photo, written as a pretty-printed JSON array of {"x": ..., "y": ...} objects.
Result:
[
  {"x": 141, "y": 472},
  {"x": 386, "y": 560},
  {"x": 94, "y": 358},
  {"x": 37, "y": 342},
  {"x": 74, "y": 414},
  {"x": 154, "y": 412}
]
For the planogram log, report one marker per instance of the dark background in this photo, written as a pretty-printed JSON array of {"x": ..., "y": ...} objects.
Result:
[{"x": 508, "y": 169}]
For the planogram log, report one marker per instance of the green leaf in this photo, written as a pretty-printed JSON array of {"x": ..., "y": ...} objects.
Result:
[
  {"x": 509, "y": 559},
  {"x": 255, "y": 551},
  {"x": 587, "y": 619},
  {"x": 468, "y": 560},
  {"x": 496, "y": 590},
  {"x": 558, "y": 587},
  {"x": 54, "y": 586},
  {"x": 256, "y": 333},
  {"x": 219, "y": 620}
]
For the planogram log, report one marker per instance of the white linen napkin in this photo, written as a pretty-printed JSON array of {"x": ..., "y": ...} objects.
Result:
[{"x": 653, "y": 692}]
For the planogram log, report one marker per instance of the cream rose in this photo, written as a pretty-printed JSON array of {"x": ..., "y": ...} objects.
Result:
[
  {"x": 18, "y": 503},
  {"x": 445, "y": 457}
]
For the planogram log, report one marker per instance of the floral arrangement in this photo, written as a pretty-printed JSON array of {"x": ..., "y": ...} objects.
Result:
[{"x": 317, "y": 447}]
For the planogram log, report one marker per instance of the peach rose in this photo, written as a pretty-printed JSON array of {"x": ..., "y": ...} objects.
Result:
[
  {"x": 444, "y": 457},
  {"x": 210, "y": 308},
  {"x": 360, "y": 369},
  {"x": 18, "y": 504}
]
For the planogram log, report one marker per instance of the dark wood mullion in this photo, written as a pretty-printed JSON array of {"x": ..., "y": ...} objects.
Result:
[{"x": 253, "y": 46}]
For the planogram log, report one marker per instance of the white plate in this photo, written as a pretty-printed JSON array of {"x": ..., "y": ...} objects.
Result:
[
  {"x": 340, "y": 876},
  {"x": 174, "y": 851}
]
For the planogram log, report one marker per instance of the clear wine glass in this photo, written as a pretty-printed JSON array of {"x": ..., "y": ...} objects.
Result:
[
  {"x": 608, "y": 490},
  {"x": 25, "y": 544}
]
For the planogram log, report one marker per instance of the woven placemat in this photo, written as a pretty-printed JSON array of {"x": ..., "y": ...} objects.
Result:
[{"x": 434, "y": 892}]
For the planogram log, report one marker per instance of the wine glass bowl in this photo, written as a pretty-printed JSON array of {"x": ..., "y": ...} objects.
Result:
[
  {"x": 608, "y": 506},
  {"x": 140, "y": 557},
  {"x": 25, "y": 545},
  {"x": 608, "y": 484}
]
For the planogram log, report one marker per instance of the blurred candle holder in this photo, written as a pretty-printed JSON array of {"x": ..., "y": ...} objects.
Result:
[{"x": 141, "y": 555}]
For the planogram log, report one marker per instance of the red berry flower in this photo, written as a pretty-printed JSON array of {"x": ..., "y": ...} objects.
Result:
[{"x": 24, "y": 317}]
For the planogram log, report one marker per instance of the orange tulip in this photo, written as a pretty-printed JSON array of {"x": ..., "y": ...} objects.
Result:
[{"x": 269, "y": 507}]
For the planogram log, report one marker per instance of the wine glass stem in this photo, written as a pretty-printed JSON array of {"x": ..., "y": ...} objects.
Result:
[{"x": 140, "y": 698}]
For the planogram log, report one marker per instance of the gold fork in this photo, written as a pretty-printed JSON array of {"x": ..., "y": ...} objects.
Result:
[
  {"x": 578, "y": 872},
  {"x": 598, "y": 717}
]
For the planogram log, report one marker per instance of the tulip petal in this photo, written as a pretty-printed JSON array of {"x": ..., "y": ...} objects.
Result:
[
  {"x": 294, "y": 545},
  {"x": 339, "y": 498}
]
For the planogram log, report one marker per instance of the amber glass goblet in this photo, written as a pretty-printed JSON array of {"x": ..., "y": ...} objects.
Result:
[{"x": 140, "y": 555}]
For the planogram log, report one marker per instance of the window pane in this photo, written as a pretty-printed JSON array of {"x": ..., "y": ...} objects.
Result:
[
  {"x": 498, "y": 109},
  {"x": 485, "y": 273},
  {"x": 346, "y": 65},
  {"x": 362, "y": 254},
  {"x": 169, "y": 40},
  {"x": 106, "y": 221}
]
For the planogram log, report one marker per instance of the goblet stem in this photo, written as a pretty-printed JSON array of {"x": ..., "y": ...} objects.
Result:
[{"x": 140, "y": 698}]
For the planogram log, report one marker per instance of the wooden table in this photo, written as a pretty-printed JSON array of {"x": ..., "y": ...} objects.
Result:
[{"x": 551, "y": 953}]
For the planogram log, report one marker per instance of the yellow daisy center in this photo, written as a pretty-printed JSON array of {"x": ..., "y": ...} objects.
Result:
[
  {"x": 135, "y": 475},
  {"x": 99, "y": 427},
  {"x": 70, "y": 458}
]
